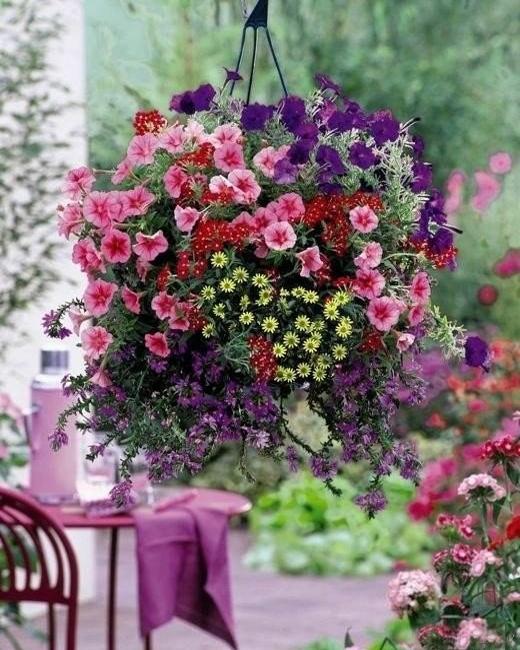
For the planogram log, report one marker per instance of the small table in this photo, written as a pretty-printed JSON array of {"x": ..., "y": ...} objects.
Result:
[{"x": 70, "y": 516}]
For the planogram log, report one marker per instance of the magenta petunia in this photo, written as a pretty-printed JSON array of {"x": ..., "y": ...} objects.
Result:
[
  {"x": 157, "y": 344},
  {"x": 369, "y": 283},
  {"x": 226, "y": 134},
  {"x": 172, "y": 139},
  {"x": 123, "y": 171},
  {"x": 244, "y": 183},
  {"x": 98, "y": 296},
  {"x": 279, "y": 236},
  {"x": 383, "y": 313},
  {"x": 420, "y": 289},
  {"x": 95, "y": 342},
  {"x": 101, "y": 378},
  {"x": 137, "y": 201},
  {"x": 163, "y": 304},
  {"x": 85, "y": 253},
  {"x": 229, "y": 156},
  {"x": 70, "y": 220},
  {"x": 289, "y": 207},
  {"x": 78, "y": 182},
  {"x": 267, "y": 158},
  {"x": 404, "y": 341},
  {"x": 174, "y": 181},
  {"x": 116, "y": 247},
  {"x": 142, "y": 148},
  {"x": 97, "y": 209},
  {"x": 186, "y": 218},
  {"x": 131, "y": 300},
  {"x": 370, "y": 257},
  {"x": 148, "y": 247},
  {"x": 311, "y": 261},
  {"x": 364, "y": 219}
]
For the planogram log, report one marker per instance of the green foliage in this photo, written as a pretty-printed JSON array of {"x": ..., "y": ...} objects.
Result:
[
  {"x": 303, "y": 528},
  {"x": 29, "y": 157}
]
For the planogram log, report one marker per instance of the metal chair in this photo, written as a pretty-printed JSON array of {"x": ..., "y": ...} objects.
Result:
[{"x": 39, "y": 564}]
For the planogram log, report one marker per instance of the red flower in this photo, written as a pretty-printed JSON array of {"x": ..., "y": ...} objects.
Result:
[
  {"x": 149, "y": 122},
  {"x": 262, "y": 358},
  {"x": 513, "y": 528}
]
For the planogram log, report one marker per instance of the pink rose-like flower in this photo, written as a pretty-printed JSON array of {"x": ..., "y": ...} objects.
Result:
[
  {"x": 78, "y": 181},
  {"x": 247, "y": 190},
  {"x": 226, "y": 134},
  {"x": 131, "y": 300},
  {"x": 475, "y": 629},
  {"x": 311, "y": 261},
  {"x": 157, "y": 344},
  {"x": 481, "y": 485},
  {"x": 364, "y": 219},
  {"x": 404, "y": 341},
  {"x": 481, "y": 560},
  {"x": 96, "y": 209},
  {"x": 280, "y": 236},
  {"x": 162, "y": 304},
  {"x": 96, "y": 341},
  {"x": 186, "y": 218},
  {"x": 383, "y": 313},
  {"x": 141, "y": 149},
  {"x": 500, "y": 162},
  {"x": 265, "y": 160},
  {"x": 289, "y": 207},
  {"x": 137, "y": 201},
  {"x": 172, "y": 139},
  {"x": 370, "y": 257},
  {"x": 369, "y": 283},
  {"x": 116, "y": 247},
  {"x": 123, "y": 170},
  {"x": 98, "y": 296},
  {"x": 174, "y": 181},
  {"x": 85, "y": 253},
  {"x": 420, "y": 288},
  {"x": 148, "y": 247},
  {"x": 416, "y": 315},
  {"x": 488, "y": 188},
  {"x": 229, "y": 156},
  {"x": 70, "y": 220}
]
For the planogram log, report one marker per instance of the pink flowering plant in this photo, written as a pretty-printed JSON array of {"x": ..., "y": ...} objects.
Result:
[{"x": 245, "y": 253}]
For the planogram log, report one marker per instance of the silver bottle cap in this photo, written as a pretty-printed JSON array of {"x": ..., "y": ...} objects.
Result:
[{"x": 54, "y": 362}]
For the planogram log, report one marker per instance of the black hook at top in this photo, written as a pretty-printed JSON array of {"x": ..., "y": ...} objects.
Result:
[{"x": 258, "y": 19}]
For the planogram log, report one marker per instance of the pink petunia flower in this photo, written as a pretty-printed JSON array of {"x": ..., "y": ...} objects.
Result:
[
  {"x": 500, "y": 162},
  {"x": 137, "y": 201},
  {"x": 79, "y": 181},
  {"x": 225, "y": 134},
  {"x": 416, "y": 315},
  {"x": 383, "y": 313},
  {"x": 142, "y": 148},
  {"x": 116, "y": 246},
  {"x": 178, "y": 317},
  {"x": 420, "y": 289},
  {"x": 262, "y": 218},
  {"x": 369, "y": 283},
  {"x": 289, "y": 207},
  {"x": 77, "y": 318},
  {"x": 195, "y": 131},
  {"x": 364, "y": 219},
  {"x": 148, "y": 247},
  {"x": 96, "y": 341},
  {"x": 265, "y": 160},
  {"x": 244, "y": 218},
  {"x": 85, "y": 253},
  {"x": 247, "y": 190},
  {"x": 172, "y": 139},
  {"x": 117, "y": 206},
  {"x": 219, "y": 184},
  {"x": 142, "y": 267},
  {"x": 174, "y": 181},
  {"x": 157, "y": 344},
  {"x": 370, "y": 257},
  {"x": 186, "y": 218},
  {"x": 488, "y": 188},
  {"x": 311, "y": 261},
  {"x": 96, "y": 209},
  {"x": 229, "y": 156},
  {"x": 280, "y": 236},
  {"x": 122, "y": 172},
  {"x": 70, "y": 220},
  {"x": 98, "y": 296},
  {"x": 162, "y": 304},
  {"x": 101, "y": 378},
  {"x": 131, "y": 300},
  {"x": 404, "y": 341}
]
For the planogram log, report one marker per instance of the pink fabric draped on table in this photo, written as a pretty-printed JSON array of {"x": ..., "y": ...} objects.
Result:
[{"x": 183, "y": 569}]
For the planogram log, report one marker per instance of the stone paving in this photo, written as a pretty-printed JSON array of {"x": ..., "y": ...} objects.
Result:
[{"x": 273, "y": 612}]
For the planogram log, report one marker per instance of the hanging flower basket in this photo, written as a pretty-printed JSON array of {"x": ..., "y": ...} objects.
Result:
[{"x": 249, "y": 253}]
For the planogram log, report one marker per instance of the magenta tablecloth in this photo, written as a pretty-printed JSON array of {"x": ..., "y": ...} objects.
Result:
[{"x": 183, "y": 569}]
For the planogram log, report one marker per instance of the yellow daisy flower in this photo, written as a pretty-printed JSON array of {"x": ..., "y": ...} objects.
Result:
[
  {"x": 240, "y": 275},
  {"x": 219, "y": 260},
  {"x": 311, "y": 345},
  {"x": 298, "y": 292},
  {"x": 302, "y": 323},
  {"x": 245, "y": 301},
  {"x": 279, "y": 350},
  {"x": 246, "y": 318},
  {"x": 260, "y": 280},
  {"x": 344, "y": 328},
  {"x": 319, "y": 373},
  {"x": 227, "y": 285},
  {"x": 330, "y": 311},
  {"x": 342, "y": 297},
  {"x": 303, "y": 369},
  {"x": 284, "y": 293},
  {"x": 310, "y": 297},
  {"x": 291, "y": 339},
  {"x": 220, "y": 310},
  {"x": 207, "y": 293},
  {"x": 270, "y": 324},
  {"x": 339, "y": 352},
  {"x": 208, "y": 330},
  {"x": 285, "y": 374},
  {"x": 266, "y": 296}
]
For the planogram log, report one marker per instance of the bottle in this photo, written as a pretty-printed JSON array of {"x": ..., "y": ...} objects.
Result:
[{"x": 52, "y": 474}]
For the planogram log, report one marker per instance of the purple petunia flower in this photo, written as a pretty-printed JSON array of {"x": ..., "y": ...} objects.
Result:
[
  {"x": 384, "y": 127},
  {"x": 441, "y": 241},
  {"x": 300, "y": 151},
  {"x": 476, "y": 352},
  {"x": 362, "y": 156},
  {"x": 292, "y": 112},
  {"x": 418, "y": 145},
  {"x": 329, "y": 158},
  {"x": 232, "y": 75},
  {"x": 285, "y": 172},
  {"x": 255, "y": 116},
  {"x": 308, "y": 132},
  {"x": 422, "y": 177},
  {"x": 193, "y": 101},
  {"x": 324, "y": 82}
]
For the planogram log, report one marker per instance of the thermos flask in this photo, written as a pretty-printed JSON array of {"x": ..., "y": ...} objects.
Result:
[{"x": 52, "y": 474}]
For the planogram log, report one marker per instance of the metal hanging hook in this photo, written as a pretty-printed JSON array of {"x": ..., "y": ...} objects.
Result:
[{"x": 258, "y": 19}]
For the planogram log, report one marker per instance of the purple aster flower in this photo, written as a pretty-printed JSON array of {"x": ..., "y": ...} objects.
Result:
[
  {"x": 193, "y": 101},
  {"x": 285, "y": 173},
  {"x": 292, "y": 457},
  {"x": 255, "y": 116},
  {"x": 384, "y": 127},
  {"x": 476, "y": 352},
  {"x": 232, "y": 75},
  {"x": 329, "y": 158},
  {"x": 323, "y": 468},
  {"x": 293, "y": 112},
  {"x": 53, "y": 328},
  {"x": 422, "y": 177},
  {"x": 58, "y": 439},
  {"x": 362, "y": 156},
  {"x": 371, "y": 502},
  {"x": 122, "y": 495},
  {"x": 324, "y": 82}
]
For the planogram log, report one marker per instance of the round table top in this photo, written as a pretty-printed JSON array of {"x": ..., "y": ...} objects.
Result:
[{"x": 75, "y": 516}]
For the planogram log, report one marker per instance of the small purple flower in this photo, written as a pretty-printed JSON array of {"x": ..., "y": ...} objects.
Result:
[
  {"x": 476, "y": 352},
  {"x": 58, "y": 439},
  {"x": 232, "y": 75},
  {"x": 362, "y": 156},
  {"x": 53, "y": 328},
  {"x": 157, "y": 365},
  {"x": 324, "y": 82},
  {"x": 285, "y": 172},
  {"x": 329, "y": 158},
  {"x": 293, "y": 112},
  {"x": 293, "y": 460},
  {"x": 371, "y": 502},
  {"x": 122, "y": 495},
  {"x": 323, "y": 468},
  {"x": 418, "y": 145},
  {"x": 255, "y": 116},
  {"x": 193, "y": 101},
  {"x": 384, "y": 127},
  {"x": 422, "y": 177}
]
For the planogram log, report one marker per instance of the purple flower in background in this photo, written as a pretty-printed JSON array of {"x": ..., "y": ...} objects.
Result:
[
  {"x": 476, "y": 352},
  {"x": 371, "y": 502},
  {"x": 157, "y": 365},
  {"x": 418, "y": 145},
  {"x": 441, "y": 241},
  {"x": 422, "y": 177},
  {"x": 291, "y": 455},
  {"x": 122, "y": 494},
  {"x": 342, "y": 122},
  {"x": 324, "y": 82},
  {"x": 58, "y": 439},
  {"x": 192, "y": 101},
  {"x": 300, "y": 151},
  {"x": 293, "y": 112},
  {"x": 255, "y": 116},
  {"x": 323, "y": 468},
  {"x": 52, "y": 327},
  {"x": 285, "y": 172},
  {"x": 232, "y": 75},
  {"x": 384, "y": 127},
  {"x": 362, "y": 156},
  {"x": 329, "y": 158},
  {"x": 308, "y": 132}
]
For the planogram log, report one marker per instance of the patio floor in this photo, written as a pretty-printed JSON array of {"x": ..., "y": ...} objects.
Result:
[{"x": 272, "y": 612}]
